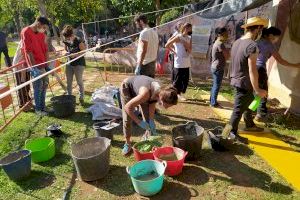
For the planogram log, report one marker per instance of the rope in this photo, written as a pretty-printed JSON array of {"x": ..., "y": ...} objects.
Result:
[
  {"x": 91, "y": 49},
  {"x": 129, "y": 16}
]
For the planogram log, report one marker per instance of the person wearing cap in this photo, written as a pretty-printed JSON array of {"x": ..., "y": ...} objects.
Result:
[
  {"x": 270, "y": 37},
  {"x": 219, "y": 55},
  {"x": 244, "y": 78},
  {"x": 35, "y": 52}
]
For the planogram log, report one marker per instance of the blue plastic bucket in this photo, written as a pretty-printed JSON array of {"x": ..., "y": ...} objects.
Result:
[
  {"x": 147, "y": 176},
  {"x": 17, "y": 165}
]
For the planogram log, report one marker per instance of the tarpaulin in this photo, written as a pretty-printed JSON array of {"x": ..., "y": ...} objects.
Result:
[{"x": 223, "y": 10}]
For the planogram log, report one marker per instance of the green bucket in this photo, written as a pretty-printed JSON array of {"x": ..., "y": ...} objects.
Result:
[
  {"x": 42, "y": 149},
  {"x": 147, "y": 176},
  {"x": 255, "y": 103}
]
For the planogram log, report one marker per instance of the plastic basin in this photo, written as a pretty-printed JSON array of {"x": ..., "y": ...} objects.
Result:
[
  {"x": 42, "y": 149},
  {"x": 91, "y": 157},
  {"x": 142, "y": 155},
  {"x": 174, "y": 168},
  {"x": 143, "y": 168},
  {"x": 17, "y": 165}
]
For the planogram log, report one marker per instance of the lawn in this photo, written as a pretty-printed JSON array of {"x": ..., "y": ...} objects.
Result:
[
  {"x": 12, "y": 47},
  {"x": 235, "y": 174}
]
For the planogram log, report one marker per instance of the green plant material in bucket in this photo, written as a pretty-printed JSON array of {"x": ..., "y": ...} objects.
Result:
[{"x": 147, "y": 146}]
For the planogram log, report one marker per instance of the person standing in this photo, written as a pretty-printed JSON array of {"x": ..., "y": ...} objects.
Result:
[
  {"x": 35, "y": 52},
  {"x": 244, "y": 78},
  {"x": 219, "y": 55},
  {"x": 147, "y": 48},
  {"x": 270, "y": 36},
  {"x": 145, "y": 92},
  {"x": 182, "y": 62},
  {"x": 4, "y": 49},
  {"x": 74, "y": 45}
]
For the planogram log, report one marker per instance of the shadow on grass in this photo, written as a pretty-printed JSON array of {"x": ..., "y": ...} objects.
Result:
[
  {"x": 241, "y": 174},
  {"x": 192, "y": 175},
  {"x": 173, "y": 190},
  {"x": 40, "y": 179},
  {"x": 116, "y": 182}
]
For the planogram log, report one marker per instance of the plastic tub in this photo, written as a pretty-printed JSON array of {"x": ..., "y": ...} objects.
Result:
[
  {"x": 91, "y": 158},
  {"x": 64, "y": 105},
  {"x": 174, "y": 167},
  {"x": 142, "y": 155},
  {"x": 42, "y": 149},
  {"x": 188, "y": 138},
  {"x": 147, "y": 176},
  {"x": 17, "y": 165}
]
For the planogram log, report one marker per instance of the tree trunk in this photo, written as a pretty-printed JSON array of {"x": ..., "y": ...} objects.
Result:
[
  {"x": 55, "y": 31},
  {"x": 17, "y": 24},
  {"x": 42, "y": 8},
  {"x": 158, "y": 15}
]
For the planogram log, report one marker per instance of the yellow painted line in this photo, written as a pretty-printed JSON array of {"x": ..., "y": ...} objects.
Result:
[{"x": 277, "y": 153}]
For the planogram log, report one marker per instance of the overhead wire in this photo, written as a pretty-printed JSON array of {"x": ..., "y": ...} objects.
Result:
[{"x": 93, "y": 48}]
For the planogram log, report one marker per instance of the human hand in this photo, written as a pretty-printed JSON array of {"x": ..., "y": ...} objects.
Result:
[
  {"x": 152, "y": 127},
  {"x": 144, "y": 125},
  {"x": 262, "y": 93}
]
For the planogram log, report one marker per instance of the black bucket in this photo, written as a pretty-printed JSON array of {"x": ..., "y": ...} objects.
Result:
[
  {"x": 91, "y": 158},
  {"x": 102, "y": 132},
  {"x": 186, "y": 138},
  {"x": 64, "y": 105}
]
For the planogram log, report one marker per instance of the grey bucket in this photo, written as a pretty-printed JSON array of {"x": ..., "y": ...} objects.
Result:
[
  {"x": 63, "y": 105},
  {"x": 91, "y": 157},
  {"x": 17, "y": 165}
]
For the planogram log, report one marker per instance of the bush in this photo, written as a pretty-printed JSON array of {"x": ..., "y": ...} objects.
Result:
[{"x": 170, "y": 15}]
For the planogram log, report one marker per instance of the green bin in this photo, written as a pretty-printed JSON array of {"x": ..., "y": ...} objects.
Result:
[{"x": 42, "y": 149}]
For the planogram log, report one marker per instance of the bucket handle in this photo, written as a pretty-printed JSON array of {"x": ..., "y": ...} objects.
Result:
[
  {"x": 164, "y": 164},
  {"x": 128, "y": 170}
]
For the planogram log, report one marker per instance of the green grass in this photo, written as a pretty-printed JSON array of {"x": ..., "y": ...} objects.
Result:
[
  {"x": 12, "y": 47},
  {"x": 236, "y": 174}
]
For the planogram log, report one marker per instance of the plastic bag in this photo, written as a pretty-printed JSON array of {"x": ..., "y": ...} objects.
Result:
[
  {"x": 105, "y": 94},
  {"x": 102, "y": 111}
]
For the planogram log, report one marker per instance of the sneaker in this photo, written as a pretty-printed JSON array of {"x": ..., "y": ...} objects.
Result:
[
  {"x": 216, "y": 106},
  {"x": 127, "y": 149},
  {"x": 41, "y": 113},
  {"x": 254, "y": 129},
  {"x": 240, "y": 139},
  {"x": 181, "y": 98}
]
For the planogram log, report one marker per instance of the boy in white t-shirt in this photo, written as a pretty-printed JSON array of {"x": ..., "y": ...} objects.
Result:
[{"x": 147, "y": 48}]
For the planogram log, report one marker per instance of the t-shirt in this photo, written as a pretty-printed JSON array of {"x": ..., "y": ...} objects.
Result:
[
  {"x": 2, "y": 39},
  {"x": 182, "y": 58},
  {"x": 137, "y": 82},
  {"x": 34, "y": 43},
  {"x": 240, "y": 52},
  {"x": 151, "y": 37},
  {"x": 74, "y": 48},
  {"x": 266, "y": 49},
  {"x": 217, "y": 57}
]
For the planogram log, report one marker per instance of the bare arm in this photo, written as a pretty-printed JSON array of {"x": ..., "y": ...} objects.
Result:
[
  {"x": 187, "y": 45},
  {"x": 254, "y": 75},
  {"x": 226, "y": 53},
  {"x": 171, "y": 42},
  {"x": 143, "y": 96},
  {"x": 284, "y": 62},
  {"x": 152, "y": 108},
  {"x": 141, "y": 57}
]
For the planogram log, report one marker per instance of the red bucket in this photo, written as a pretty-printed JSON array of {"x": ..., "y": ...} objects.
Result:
[
  {"x": 142, "y": 155},
  {"x": 174, "y": 167}
]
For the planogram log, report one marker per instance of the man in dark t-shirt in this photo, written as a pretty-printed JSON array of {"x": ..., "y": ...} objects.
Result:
[{"x": 244, "y": 78}]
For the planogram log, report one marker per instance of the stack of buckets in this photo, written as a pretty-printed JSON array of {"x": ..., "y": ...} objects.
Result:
[{"x": 151, "y": 162}]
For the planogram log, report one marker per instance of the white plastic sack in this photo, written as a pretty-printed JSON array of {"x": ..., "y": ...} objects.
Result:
[
  {"x": 102, "y": 111},
  {"x": 105, "y": 94}
]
